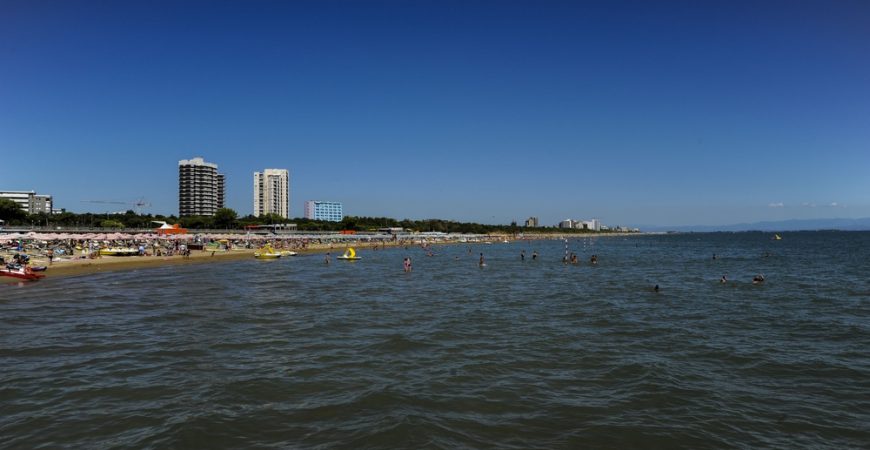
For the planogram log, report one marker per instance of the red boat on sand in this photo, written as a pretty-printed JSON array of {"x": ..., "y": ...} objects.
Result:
[{"x": 25, "y": 273}]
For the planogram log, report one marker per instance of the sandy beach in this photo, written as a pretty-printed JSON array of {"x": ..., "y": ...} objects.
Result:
[
  {"x": 66, "y": 266},
  {"x": 83, "y": 266}
]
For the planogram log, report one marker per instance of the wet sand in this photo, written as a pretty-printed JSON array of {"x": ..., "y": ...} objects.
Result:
[{"x": 114, "y": 263}]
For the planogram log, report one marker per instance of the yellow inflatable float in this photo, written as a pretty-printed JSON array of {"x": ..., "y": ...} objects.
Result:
[{"x": 349, "y": 255}]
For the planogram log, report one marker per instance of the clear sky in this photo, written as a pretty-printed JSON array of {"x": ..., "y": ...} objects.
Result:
[{"x": 642, "y": 112}]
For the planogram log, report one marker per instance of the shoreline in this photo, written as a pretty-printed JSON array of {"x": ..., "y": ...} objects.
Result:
[
  {"x": 75, "y": 267},
  {"x": 63, "y": 267}
]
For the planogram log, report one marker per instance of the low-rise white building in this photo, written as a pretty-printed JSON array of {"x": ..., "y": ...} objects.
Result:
[{"x": 30, "y": 201}]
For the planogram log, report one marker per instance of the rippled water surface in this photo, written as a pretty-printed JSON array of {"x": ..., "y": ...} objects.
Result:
[{"x": 533, "y": 354}]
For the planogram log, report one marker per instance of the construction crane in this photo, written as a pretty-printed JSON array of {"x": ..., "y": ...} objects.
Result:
[{"x": 138, "y": 205}]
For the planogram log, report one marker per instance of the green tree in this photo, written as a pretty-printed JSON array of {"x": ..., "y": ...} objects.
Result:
[
  {"x": 349, "y": 223},
  {"x": 271, "y": 218},
  {"x": 225, "y": 218},
  {"x": 10, "y": 211},
  {"x": 109, "y": 223},
  {"x": 196, "y": 222}
]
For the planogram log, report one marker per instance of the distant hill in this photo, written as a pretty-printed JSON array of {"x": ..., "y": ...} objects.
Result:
[{"x": 784, "y": 225}]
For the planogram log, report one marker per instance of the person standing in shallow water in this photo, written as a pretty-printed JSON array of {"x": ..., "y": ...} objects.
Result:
[
  {"x": 522, "y": 255},
  {"x": 407, "y": 264},
  {"x": 482, "y": 262},
  {"x": 327, "y": 257}
]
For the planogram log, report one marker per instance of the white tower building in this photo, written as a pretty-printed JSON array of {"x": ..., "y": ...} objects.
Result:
[{"x": 272, "y": 192}]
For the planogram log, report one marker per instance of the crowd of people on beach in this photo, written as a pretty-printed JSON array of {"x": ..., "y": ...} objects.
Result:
[{"x": 51, "y": 248}]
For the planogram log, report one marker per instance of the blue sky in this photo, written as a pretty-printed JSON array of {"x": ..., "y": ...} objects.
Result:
[{"x": 659, "y": 113}]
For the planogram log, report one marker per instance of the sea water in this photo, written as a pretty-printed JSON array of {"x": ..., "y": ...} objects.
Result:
[{"x": 297, "y": 353}]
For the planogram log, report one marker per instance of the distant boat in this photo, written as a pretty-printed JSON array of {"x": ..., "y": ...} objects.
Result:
[
  {"x": 777, "y": 237},
  {"x": 23, "y": 272}
]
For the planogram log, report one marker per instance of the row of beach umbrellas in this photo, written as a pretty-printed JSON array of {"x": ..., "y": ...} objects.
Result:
[{"x": 32, "y": 235}]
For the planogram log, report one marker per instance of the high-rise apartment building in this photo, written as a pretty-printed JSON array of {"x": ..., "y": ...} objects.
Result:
[
  {"x": 201, "y": 188},
  {"x": 29, "y": 201},
  {"x": 532, "y": 222},
  {"x": 272, "y": 192},
  {"x": 317, "y": 210}
]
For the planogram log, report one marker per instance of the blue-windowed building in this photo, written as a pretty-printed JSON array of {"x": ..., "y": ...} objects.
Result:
[{"x": 318, "y": 210}]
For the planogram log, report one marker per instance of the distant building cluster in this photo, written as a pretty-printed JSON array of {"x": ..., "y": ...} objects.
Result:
[
  {"x": 29, "y": 201},
  {"x": 202, "y": 190},
  {"x": 592, "y": 225}
]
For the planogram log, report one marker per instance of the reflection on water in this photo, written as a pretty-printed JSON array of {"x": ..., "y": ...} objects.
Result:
[{"x": 525, "y": 354}]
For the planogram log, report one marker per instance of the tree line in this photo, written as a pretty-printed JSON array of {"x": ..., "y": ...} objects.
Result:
[{"x": 228, "y": 219}]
